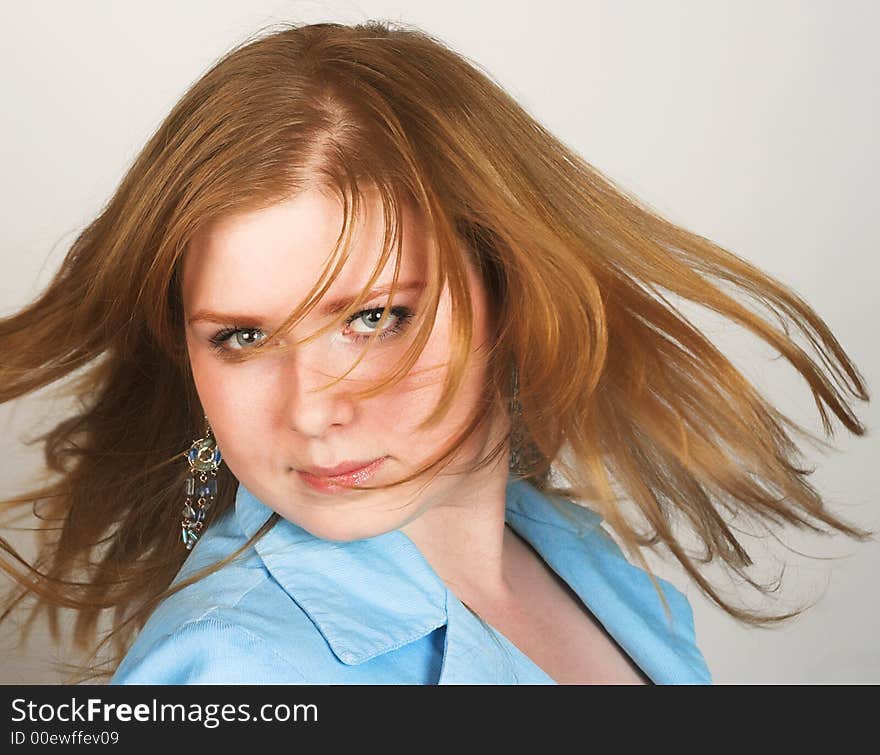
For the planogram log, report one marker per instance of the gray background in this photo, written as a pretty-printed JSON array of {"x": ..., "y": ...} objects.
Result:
[{"x": 751, "y": 123}]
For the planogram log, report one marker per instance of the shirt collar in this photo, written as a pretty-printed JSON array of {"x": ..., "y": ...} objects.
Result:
[
  {"x": 370, "y": 596},
  {"x": 337, "y": 583}
]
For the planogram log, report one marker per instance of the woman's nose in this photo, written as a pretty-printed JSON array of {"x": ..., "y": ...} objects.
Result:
[{"x": 310, "y": 411}]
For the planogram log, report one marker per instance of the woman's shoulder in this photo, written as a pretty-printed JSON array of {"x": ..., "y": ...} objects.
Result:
[
  {"x": 235, "y": 625},
  {"x": 207, "y": 650},
  {"x": 221, "y": 629}
]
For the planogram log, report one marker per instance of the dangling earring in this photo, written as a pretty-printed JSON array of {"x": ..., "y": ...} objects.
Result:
[
  {"x": 201, "y": 486},
  {"x": 516, "y": 460}
]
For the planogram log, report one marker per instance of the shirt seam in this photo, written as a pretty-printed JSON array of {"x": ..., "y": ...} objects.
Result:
[{"x": 206, "y": 616}]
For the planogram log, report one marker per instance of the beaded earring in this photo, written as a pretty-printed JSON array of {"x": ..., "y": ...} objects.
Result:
[{"x": 201, "y": 486}]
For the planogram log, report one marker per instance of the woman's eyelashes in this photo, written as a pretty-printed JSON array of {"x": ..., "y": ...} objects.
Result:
[{"x": 398, "y": 319}]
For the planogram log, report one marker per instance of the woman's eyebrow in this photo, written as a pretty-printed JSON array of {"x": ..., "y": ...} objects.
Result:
[{"x": 332, "y": 307}]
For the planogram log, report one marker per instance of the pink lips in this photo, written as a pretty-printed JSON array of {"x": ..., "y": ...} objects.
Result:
[
  {"x": 349, "y": 473},
  {"x": 345, "y": 467}
]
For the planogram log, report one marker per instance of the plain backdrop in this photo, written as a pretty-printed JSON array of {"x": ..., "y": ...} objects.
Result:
[{"x": 753, "y": 123}]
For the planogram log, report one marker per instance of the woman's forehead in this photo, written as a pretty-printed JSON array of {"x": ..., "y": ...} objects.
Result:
[
  {"x": 308, "y": 225},
  {"x": 283, "y": 250}
]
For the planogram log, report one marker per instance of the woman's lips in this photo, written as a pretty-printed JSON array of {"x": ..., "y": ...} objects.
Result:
[{"x": 325, "y": 483}]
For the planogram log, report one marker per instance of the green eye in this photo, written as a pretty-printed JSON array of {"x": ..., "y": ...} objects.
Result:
[
  {"x": 400, "y": 316},
  {"x": 219, "y": 339}
]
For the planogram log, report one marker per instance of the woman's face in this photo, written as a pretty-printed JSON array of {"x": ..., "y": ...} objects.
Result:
[{"x": 248, "y": 271}]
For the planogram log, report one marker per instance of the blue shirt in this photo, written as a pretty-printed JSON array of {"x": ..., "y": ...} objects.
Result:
[{"x": 298, "y": 609}]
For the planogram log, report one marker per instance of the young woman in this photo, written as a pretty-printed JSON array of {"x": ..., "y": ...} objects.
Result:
[{"x": 372, "y": 363}]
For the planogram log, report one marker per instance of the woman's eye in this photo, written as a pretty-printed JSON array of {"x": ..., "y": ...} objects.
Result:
[
  {"x": 369, "y": 319},
  {"x": 241, "y": 337}
]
